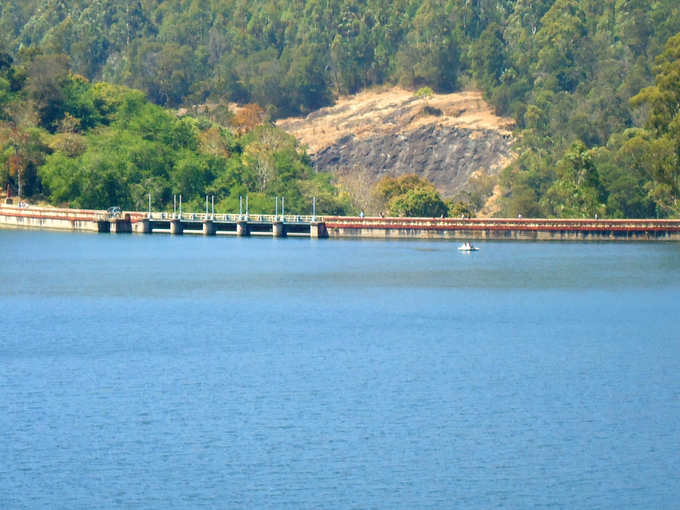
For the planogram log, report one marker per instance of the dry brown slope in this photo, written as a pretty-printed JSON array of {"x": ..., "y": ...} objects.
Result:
[{"x": 444, "y": 137}]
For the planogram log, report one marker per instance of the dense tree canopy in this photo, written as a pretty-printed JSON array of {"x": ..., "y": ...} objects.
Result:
[
  {"x": 589, "y": 141},
  {"x": 410, "y": 195},
  {"x": 93, "y": 146},
  {"x": 565, "y": 70}
]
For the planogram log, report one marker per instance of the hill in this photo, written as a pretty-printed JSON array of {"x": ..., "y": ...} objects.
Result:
[
  {"x": 445, "y": 138},
  {"x": 574, "y": 75},
  {"x": 92, "y": 146}
]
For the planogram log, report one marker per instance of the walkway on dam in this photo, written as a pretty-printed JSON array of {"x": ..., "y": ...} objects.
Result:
[{"x": 147, "y": 223}]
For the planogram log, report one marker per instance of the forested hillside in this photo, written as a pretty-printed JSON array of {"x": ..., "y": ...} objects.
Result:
[
  {"x": 574, "y": 74},
  {"x": 87, "y": 145}
]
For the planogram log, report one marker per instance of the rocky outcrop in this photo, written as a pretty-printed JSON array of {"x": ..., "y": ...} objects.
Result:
[
  {"x": 446, "y": 156},
  {"x": 445, "y": 138}
]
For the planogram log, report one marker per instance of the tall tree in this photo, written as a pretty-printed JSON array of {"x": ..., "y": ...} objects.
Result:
[{"x": 663, "y": 103}]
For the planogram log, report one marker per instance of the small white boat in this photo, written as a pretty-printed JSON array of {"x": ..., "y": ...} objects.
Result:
[{"x": 466, "y": 246}]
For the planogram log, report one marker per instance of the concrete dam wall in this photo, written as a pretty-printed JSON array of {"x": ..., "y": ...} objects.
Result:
[{"x": 533, "y": 229}]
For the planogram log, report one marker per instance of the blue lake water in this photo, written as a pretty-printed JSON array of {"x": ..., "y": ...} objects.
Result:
[{"x": 163, "y": 372}]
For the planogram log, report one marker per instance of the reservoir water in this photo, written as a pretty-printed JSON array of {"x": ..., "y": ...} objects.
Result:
[{"x": 160, "y": 372}]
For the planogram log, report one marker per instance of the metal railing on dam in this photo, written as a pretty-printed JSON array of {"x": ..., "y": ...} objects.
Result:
[
  {"x": 278, "y": 225},
  {"x": 338, "y": 226},
  {"x": 264, "y": 218}
]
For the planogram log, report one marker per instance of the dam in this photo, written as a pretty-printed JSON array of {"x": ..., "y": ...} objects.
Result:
[
  {"x": 530, "y": 229},
  {"x": 171, "y": 223},
  {"x": 347, "y": 227}
]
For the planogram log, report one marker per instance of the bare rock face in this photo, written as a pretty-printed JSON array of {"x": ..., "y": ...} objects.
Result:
[
  {"x": 445, "y": 138},
  {"x": 446, "y": 156}
]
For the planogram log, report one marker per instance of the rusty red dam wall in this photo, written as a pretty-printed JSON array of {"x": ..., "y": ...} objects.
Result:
[{"x": 503, "y": 228}]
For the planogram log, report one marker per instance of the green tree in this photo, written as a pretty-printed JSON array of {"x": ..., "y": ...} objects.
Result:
[
  {"x": 47, "y": 76},
  {"x": 429, "y": 54},
  {"x": 488, "y": 57},
  {"x": 562, "y": 39},
  {"x": 165, "y": 71},
  {"x": 577, "y": 192},
  {"x": 409, "y": 195},
  {"x": 663, "y": 150},
  {"x": 418, "y": 202}
]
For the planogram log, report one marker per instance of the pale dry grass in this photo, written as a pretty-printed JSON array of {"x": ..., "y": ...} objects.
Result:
[
  {"x": 383, "y": 111},
  {"x": 493, "y": 204}
]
